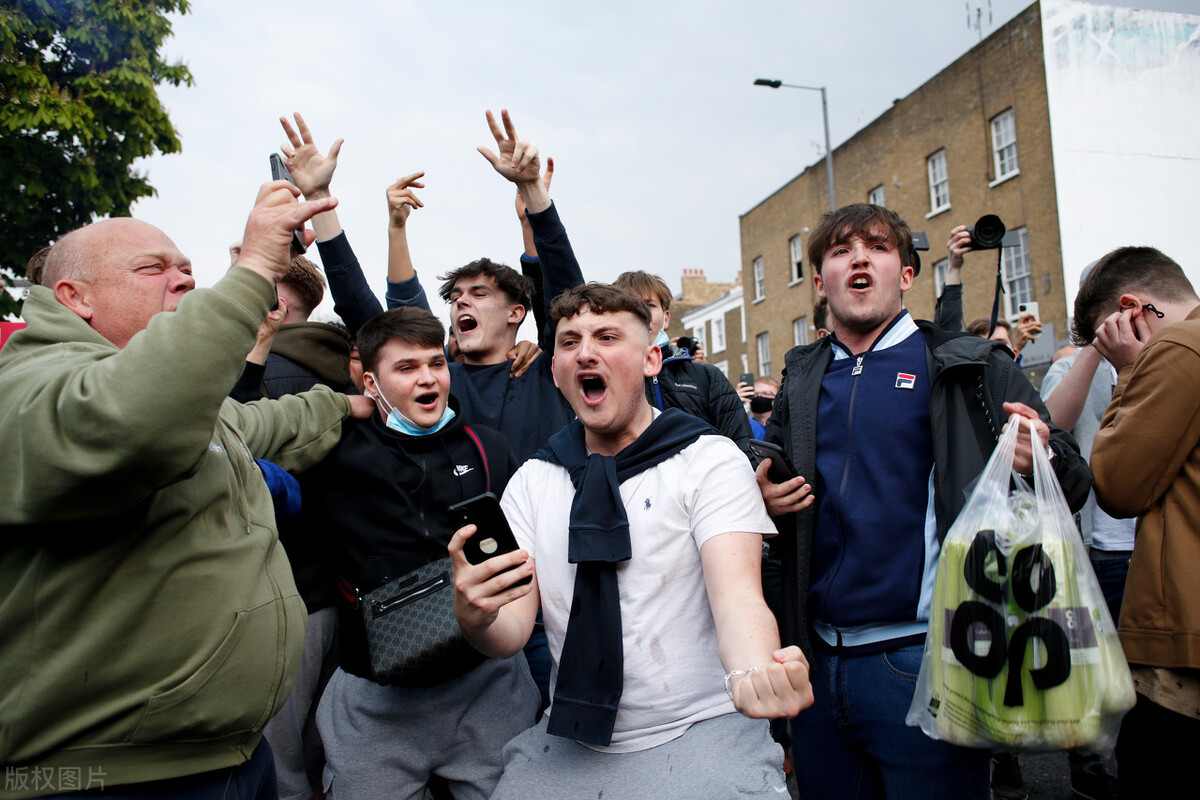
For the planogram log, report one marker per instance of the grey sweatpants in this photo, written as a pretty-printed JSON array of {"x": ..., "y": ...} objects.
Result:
[
  {"x": 383, "y": 742},
  {"x": 292, "y": 732},
  {"x": 723, "y": 758}
]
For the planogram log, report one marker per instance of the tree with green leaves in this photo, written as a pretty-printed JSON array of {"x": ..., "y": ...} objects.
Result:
[{"x": 78, "y": 106}]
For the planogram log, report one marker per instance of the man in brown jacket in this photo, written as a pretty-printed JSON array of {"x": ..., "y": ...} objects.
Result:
[{"x": 1144, "y": 317}]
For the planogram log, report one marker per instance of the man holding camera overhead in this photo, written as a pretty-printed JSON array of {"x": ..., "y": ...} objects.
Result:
[{"x": 891, "y": 419}]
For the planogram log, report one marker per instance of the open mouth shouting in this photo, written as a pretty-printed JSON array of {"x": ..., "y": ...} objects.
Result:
[
  {"x": 861, "y": 281},
  {"x": 593, "y": 389},
  {"x": 465, "y": 324},
  {"x": 428, "y": 401}
]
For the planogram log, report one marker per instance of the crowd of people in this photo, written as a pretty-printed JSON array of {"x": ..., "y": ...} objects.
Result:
[{"x": 211, "y": 512}]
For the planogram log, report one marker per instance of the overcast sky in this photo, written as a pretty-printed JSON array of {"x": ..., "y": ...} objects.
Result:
[{"x": 659, "y": 137}]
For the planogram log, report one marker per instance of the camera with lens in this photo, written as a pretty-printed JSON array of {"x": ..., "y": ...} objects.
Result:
[
  {"x": 988, "y": 233},
  {"x": 687, "y": 343}
]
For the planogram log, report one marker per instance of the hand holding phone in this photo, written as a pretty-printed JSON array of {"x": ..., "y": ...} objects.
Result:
[
  {"x": 493, "y": 536},
  {"x": 781, "y": 469},
  {"x": 279, "y": 172}
]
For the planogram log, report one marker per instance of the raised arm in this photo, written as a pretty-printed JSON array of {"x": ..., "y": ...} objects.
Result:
[
  {"x": 531, "y": 266},
  {"x": 1066, "y": 393},
  {"x": 124, "y": 425},
  {"x": 313, "y": 171},
  {"x": 403, "y": 288},
  {"x": 1152, "y": 426},
  {"x": 948, "y": 315},
  {"x": 518, "y": 161},
  {"x": 249, "y": 385}
]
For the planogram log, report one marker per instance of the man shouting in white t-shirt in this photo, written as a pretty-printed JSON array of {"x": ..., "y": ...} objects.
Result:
[{"x": 647, "y": 531}]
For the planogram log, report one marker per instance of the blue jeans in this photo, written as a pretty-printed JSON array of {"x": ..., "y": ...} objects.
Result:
[
  {"x": 1111, "y": 570},
  {"x": 853, "y": 743}
]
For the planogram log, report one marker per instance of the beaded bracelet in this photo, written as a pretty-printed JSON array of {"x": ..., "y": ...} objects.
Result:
[{"x": 733, "y": 673}]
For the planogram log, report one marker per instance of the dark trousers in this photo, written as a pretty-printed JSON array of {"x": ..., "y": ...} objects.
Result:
[
  {"x": 1156, "y": 752},
  {"x": 254, "y": 780}
]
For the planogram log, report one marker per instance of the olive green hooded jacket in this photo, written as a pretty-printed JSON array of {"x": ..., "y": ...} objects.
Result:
[{"x": 149, "y": 625}]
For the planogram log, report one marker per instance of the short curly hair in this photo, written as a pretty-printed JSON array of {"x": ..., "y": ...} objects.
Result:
[
  {"x": 305, "y": 279},
  {"x": 599, "y": 298}
]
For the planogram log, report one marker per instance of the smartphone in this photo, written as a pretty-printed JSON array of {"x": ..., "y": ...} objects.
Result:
[
  {"x": 1024, "y": 309},
  {"x": 781, "y": 468},
  {"x": 492, "y": 537},
  {"x": 279, "y": 172},
  {"x": 746, "y": 378}
]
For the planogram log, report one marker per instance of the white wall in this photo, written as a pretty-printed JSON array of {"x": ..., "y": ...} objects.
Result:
[{"x": 1124, "y": 93}]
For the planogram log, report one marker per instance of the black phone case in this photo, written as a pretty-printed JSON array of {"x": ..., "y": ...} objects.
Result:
[
  {"x": 493, "y": 536},
  {"x": 781, "y": 468}
]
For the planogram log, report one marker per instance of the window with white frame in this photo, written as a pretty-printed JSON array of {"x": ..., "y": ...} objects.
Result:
[
  {"x": 724, "y": 367},
  {"x": 760, "y": 279},
  {"x": 1004, "y": 144},
  {"x": 698, "y": 335},
  {"x": 875, "y": 197},
  {"x": 939, "y": 276},
  {"x": 799, "y": 331},
  {"x": 796, "y": 250},
  {"x": 764, "y": 353},
  {"x": 1018, "y": 272},
  {"x": 718, "y": 331},
  {"x": 939, "y": 182}
]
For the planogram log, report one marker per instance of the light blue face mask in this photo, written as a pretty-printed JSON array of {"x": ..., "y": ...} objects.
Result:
[
  {"x": 402, "y": 424},
  {"x": 662, "y": 339}
]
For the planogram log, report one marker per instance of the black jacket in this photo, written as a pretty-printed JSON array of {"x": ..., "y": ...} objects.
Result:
[
  {"x": 701, "y": 390},
  {"x": 303, "y": 355},
  {"x": 970, "y": 380},
  {"x": 378, "y": 504}
]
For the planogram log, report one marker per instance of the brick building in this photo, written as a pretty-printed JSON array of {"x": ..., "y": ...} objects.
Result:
[{"x": 974, "y": 139}]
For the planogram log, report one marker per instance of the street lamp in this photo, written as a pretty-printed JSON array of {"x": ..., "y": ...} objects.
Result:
[{"x": 824, "y": 113}]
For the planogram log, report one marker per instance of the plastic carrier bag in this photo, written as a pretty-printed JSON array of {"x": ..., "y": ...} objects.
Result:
[{"x": 1022, "y": 652}]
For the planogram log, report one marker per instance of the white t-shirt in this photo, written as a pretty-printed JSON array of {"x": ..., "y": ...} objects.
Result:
[{"x": 673, "y": 675}]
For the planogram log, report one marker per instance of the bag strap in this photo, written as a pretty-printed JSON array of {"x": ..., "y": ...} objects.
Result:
[
  {"x": 348, "y": 590},
  {"x": 478, "y": 444}
]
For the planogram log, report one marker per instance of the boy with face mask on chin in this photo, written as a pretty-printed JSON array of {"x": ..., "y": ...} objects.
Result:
[{"x": 379, "y": 502}]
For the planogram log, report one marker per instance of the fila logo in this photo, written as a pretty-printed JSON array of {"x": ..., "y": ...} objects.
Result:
[
  {"x": 462, "y": 469},
  {"x": 904, "y": 380}
]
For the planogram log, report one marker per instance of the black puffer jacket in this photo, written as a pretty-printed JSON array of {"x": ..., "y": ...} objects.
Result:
[{"x": 701, "y": 390}]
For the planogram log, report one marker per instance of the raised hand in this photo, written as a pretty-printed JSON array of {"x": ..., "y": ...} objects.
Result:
[
  {"x": 401, "y": 199},
  {"x": 1122, "y": 335},
  {"x": 267, "y": 241},
  {"x": 547, "y": 176},
  {"x": 518, "y": 160},
  {"x": 957, "y": 246},
  {"x": 311, "y": 170}
]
